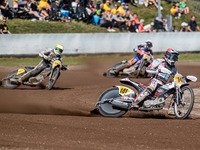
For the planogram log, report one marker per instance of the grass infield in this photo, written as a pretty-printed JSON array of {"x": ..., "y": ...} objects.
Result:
[{"x": 81, "y": 59}]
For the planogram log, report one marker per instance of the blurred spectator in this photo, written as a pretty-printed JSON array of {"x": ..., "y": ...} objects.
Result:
[
  {"x": 132, "y": 27},
  {"x": 179, "y": 10},
  {"x": 149, "y": 27},
  {"x": 185, "y": 9},
  {"x": 4, "y": 27},
  {"x": 43, "y": 7},
  {"x": 32, "y": 9},
  {"x": 5, "y": 9},
  {"x": 126, "y": 7},
  {"x": 134, "y": 18},
  {"x": 106, "y": 6},
  {"x": 151, "y": 3},
  {"x": 92, "y": 7},
  {"x": 174, "y": 11},
  {"x": 121, "y": 9},
  {"x": 114, "y": 10},
  {"x": 183, "y": 27},
  {"x": 118, "y": 21},
  {"x": 141, "y": 26},
  {"x": 192, "y": 25},
  {"x": 133, "y": 3},
  {"x": 100, "y": 11},
  {"x": 105, "y": 21},
  {"x": 158, "y": 24},
  {"x": 127, "y": 18}
]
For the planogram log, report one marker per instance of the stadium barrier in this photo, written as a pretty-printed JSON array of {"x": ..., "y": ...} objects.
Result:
[{"x": 97, "y": 43}]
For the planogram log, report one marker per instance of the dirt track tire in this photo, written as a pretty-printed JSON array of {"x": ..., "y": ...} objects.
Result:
[
  {"x": 106, "y": 109},
  {"x": 53, "y": 78},
  {"x": 183, "y": 110},
  {"x": 140, "y": 68},
  {"x": 6, "y": 81}
]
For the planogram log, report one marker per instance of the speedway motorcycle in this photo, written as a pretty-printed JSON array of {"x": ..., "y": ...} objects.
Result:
[
  {"x": 112, "y": 103},
  {"x": 140, "y": 70},
  {"x": 53, "y": 72}
]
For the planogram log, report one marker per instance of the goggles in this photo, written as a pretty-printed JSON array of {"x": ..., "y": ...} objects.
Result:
[
  {"x": 59, "y": 50},
  {"x": 174, "y": 57}
]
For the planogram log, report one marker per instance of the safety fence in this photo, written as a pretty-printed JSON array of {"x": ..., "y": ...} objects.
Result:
[{"x": 97, "y": 43}]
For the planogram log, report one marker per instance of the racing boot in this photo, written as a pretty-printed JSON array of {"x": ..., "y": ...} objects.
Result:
[{"x": 140, "y": 98}]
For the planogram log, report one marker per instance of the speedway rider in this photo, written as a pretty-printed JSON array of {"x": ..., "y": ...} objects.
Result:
[
  {"x": 162, "y": 69},
  {"x": 135, "y": 61},
  {"x": 48, "y": 56}
]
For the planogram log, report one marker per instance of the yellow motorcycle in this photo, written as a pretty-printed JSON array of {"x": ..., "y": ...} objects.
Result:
[{"x": 53, "y": 72}]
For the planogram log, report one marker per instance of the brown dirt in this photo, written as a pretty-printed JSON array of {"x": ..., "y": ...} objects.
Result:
[{"x": 35, "y": 118}]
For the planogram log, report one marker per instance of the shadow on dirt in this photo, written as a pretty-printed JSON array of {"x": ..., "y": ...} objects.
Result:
[
  {"x": 44, "y": 110},
  {"x": 38, "y": 88}
]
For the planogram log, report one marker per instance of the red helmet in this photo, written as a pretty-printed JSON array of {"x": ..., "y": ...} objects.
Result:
[{"x": 171, "y": 56}]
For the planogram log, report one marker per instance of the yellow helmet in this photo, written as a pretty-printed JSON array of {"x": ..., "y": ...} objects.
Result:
[{"x": 58, "y": 49}]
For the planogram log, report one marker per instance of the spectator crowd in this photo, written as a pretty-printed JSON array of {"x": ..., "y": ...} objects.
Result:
[{"x": 103, "y": 13}]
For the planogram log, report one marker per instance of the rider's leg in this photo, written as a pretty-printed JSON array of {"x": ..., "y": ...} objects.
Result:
[
  {"x": 146, "y": 92},
  {"x": 40, "y": 67},
  {"x": 132, "y": 68},
  {"x": 125, "y": 65}
]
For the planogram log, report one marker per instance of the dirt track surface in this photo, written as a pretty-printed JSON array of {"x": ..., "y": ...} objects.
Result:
[{"x": 35, "y": 118}]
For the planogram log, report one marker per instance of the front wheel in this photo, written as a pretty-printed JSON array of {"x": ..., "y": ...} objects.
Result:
[
  {"x": 186, "y": 102},
  {"x": 105, "y": 108},
  {"x": 53, "y": 78},
  {"x": 140, "y": 68}
]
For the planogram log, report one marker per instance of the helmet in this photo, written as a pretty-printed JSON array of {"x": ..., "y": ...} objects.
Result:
[
  {"x": 171, "y": 56},
  {"x": 58, "y": 49},
  {"x": 148, "y": 44}
]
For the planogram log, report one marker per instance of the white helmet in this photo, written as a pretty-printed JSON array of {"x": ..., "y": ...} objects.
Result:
[{"x": 58, "y": 49}]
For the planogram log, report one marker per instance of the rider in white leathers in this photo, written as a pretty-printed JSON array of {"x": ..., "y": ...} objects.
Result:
[{"x": 161, "y": 70}]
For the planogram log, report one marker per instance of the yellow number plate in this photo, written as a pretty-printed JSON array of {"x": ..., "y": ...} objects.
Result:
[
  {"x": 123, "y": 90},
  {"x": 20, "y": 71},
  {"x": 56, "y": 63},
  {"x": 178, "y": 79}
]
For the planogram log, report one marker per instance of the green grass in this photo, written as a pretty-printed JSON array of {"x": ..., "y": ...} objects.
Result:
[
  {"x": 81, "y": 59},
  {"x": 27, "y": 26},
  {"x": 14, "y": 61}
]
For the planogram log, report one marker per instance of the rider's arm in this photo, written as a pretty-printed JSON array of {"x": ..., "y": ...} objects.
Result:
[
  {"x": 44, "y": 54},
  {"x": 153, "y": 68}
]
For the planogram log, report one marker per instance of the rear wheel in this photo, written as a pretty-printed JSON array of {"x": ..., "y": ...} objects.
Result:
[
  {"x": 6, "y": 81},
  {"x": 105, "y": 108},
  {"x": 186, "y": 102},
  {"x": 140, "y": 68},
  {"x": 53, "y": 78}
]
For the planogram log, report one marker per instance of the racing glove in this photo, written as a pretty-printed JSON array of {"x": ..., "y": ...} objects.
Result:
[
  {"x": 43, "y": 56},
  {"x": 63, "y": 68}
]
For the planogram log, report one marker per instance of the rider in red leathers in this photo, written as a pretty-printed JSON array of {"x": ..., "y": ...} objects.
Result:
[{"x": 162, "y": 69}]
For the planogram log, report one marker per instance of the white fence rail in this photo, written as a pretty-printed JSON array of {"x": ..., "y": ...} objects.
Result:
[{"x": 92, "y": 43}]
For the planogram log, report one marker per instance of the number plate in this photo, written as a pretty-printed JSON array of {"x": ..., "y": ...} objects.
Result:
[
  {"x": 123, "y": 90},
  {"x": 20, "y": 71},
  {"x": 178, "y": 79}
]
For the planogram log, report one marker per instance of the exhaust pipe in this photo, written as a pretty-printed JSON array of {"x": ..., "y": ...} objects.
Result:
[{"x": 120, "y": 104}]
